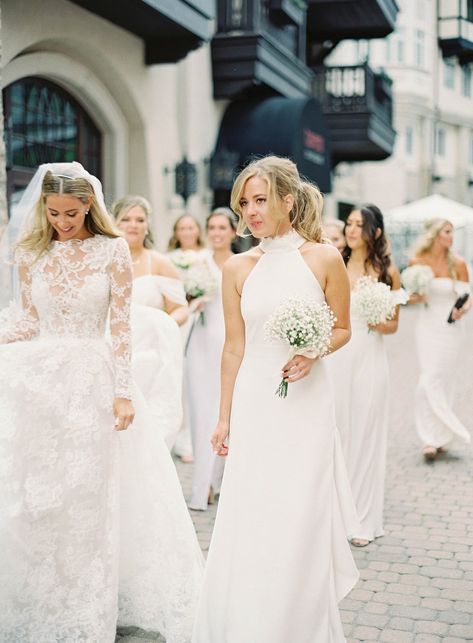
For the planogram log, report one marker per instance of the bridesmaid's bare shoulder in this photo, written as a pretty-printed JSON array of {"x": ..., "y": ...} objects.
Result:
[
  {"x": 315, "y": 253},
  {"x": 238, "y": 267},
  {"x": 162, "y": 265}
]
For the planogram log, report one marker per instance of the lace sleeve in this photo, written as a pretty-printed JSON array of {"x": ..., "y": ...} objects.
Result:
[
  {"x": 120, "y": 296},
  {"x": 20, "y": 322}
]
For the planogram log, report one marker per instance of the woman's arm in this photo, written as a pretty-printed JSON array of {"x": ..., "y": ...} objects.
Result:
[
  {"x": 20, "y": 322},
  {"x": 233, "y": 350},
  {"x": 329, "y": 269},
  {"x": 121, "y": 278},
  {"x": 390, "y": 327},
  {"x": 462, "y": 275},
  {"x": 163, "y": 266},
  {"x": 337, "y": 296},
  {"x": 178, "y": 312}
]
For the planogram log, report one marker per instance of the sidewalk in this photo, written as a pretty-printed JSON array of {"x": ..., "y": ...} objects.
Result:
[{"x": 416, "y": 582}]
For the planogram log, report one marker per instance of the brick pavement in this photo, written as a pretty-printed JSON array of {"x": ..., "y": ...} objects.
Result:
[{"x": 416, "y": 582}]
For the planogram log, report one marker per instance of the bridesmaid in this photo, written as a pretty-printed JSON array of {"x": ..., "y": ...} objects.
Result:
[
  {"x": 279, "y": 560},
  {"x": 361, "y": 378},
  {"x": 203, "y": 365},
  {"x": 133, "y": 214},
  {"x": 439, "y": 344},
  {"x": 159, "y": 307},
  {"x": 334, "y": 230},
  {"x": 186, "y": 235}
]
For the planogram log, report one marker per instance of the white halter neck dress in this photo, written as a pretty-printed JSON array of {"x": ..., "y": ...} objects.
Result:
[{"x": 279, "y": 560}]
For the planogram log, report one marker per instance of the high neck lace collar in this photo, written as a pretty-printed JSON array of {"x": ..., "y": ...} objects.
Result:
[{"x": 292, "y": 240}]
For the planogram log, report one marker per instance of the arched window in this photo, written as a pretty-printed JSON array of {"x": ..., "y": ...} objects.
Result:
[{"x": 44, "y": 124}]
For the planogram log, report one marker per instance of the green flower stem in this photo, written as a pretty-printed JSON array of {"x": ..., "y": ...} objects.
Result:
[{"x": 282, "y": 388}]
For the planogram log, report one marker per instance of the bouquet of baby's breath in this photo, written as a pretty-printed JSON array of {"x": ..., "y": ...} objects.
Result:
[
  {"x": 306, "y": 325},
  {"x": 373, "y": 301},
  {"x": 198, "y": 281},
  {"x": 184, "y": 259},
  {"x": 416, "y": 279}
]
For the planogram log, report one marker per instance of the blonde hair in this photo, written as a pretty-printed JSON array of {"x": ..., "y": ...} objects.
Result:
[
  {"x": 174, "y": 243},
  {"x": 125, "y": 204},
  {"x": 97, "y": 220},
  {"x": 425, "y": 243},
  {"x": 282, "y": 178},
  {"x": 334, "y": 223}
]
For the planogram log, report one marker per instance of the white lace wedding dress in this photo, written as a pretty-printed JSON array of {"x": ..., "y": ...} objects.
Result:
[
  {"x": 158, "y": 351},
  {"x": 279, "y": 560},
  {"x": 93, "y": 525}
]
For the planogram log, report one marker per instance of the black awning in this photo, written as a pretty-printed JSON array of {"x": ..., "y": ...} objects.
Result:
[{"x": 290, "y": 127}]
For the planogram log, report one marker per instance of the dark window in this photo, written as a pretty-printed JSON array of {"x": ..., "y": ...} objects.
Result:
[
  {"x": 44, "y": 124},
  {"x": 469, "y": 10}
]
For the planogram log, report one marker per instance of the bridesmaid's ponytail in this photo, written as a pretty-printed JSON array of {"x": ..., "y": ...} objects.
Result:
[
  {"x": 283, "y": 178},
  {"x": 306, "y": 215}
]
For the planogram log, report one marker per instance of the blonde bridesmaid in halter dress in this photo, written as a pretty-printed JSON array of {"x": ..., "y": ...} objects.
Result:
[{"x": 279, "y": 560}]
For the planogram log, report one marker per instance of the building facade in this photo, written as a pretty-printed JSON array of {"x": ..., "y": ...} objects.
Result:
[
  {"x": 430, "y": 60},
  {"x": 167, "y": 99}
]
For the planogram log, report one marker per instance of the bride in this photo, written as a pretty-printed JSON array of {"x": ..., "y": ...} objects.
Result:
[
  {"x": 159, "y": 307},
  {"x": 93, "y": 525}
]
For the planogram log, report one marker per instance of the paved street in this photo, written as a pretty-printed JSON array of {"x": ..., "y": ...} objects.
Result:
[{"x": 417, "y": 581}]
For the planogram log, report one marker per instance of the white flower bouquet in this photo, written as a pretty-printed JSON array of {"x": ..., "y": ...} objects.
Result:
[
  {"x": 373, "y": 301},
  {"x": 198, "y": 281},
  {"x": 196, "y": 276},
  {"x": 306, "y": 325},
  {"x": 184, "y": 259},
  {"x": 416, "y": 279}
]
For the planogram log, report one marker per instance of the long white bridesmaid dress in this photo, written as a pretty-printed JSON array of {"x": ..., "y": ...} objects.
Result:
[
  {"x": 360, "y": 377},
  {"x": 204, "y": 354},
  {"x": 183, "y": 442},
  {"x": 158, "y": 351},
  {"x": 279, "y": 560},
  {"x": 439, "y": 347},
  {"x": 93, "y": 524}
]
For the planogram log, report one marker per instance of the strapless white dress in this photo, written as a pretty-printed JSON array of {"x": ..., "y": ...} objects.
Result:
[
  {"x": 360, "y": 377},
  {"x": 203, "y": 359},
  {"x": 157, "y": 351},
  {"x": 439, "y": 347},
  {"x": 279, "y": 560}
]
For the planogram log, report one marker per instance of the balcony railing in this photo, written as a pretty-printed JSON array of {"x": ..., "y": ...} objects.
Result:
[{"x": 358, "y": 105}]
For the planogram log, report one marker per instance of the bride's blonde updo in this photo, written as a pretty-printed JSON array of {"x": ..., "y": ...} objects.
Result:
[
  {"x": 282, "y": 178},
  {"x": 97, "y": 221},
  {"x": 432, "y": 229}
]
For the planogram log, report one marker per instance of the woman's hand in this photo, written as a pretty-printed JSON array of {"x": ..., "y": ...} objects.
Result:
[
  {"x": 218, "y": 438},
  {"x": 297, "y": 368},
  {"x": 197, "y": 305},
  {"x": 415, "y": 298},
  {"x": 457, "y": 313},
  {"x": 124, "y": 413}
]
